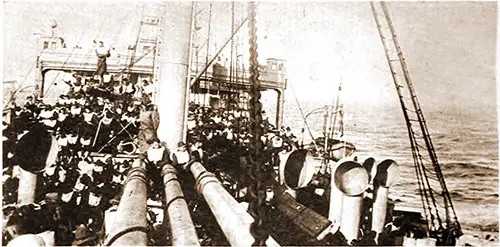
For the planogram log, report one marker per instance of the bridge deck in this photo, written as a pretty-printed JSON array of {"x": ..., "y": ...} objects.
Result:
[{"x": 216, "y": 77}]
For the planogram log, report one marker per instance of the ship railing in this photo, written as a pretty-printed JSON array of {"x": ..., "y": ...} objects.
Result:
[{"x": 65, "y": 59}]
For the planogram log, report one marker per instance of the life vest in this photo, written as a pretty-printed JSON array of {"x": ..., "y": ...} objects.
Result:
[
  {"x": 129, "y": 88},
  {"x": 61, "y": 117},
  {"x": 182, "y": 157},
  {"x": 155, "y": 154},
  {"x": 87, "y": 117},
  {"x": 85, "y": 142},
  {"x": 94, "y": 199},
  {"x": 49, "y": 122},
  {"x": 76, "y": 110},
  {"x": 72, "y": 139},
  {"x": 277, "y": 142},
  {"x": 106, "y": 120}
]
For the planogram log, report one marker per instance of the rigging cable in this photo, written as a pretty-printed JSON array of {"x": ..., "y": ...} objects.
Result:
[
  {"x": 304, "y": 117},
  {"x": 197, "y": 51},
  {"x": 207, "y": 84},
  {"x": 134, "y": 51},
  {"x": 65, "y": 62},
  {"x": 20, "y": 87},
  {"x": 71, "y": 54}
]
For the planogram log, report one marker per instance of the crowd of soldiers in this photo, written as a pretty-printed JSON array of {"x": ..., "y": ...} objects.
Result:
[
  {"x": 94, "y": 122},
  {"x": 225, "y": 138},
  {"x": 217, "y": 130},
  {"x": 78, "y": 187}
]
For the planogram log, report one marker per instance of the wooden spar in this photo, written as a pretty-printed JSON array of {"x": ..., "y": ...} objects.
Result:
[
  {"x": 130, "y": 226},
  {"x": 334, "y": 112},
  {"x": 183, "y": 232},
  {"x": 172, "y": 108},
  {"x": 233, "y": 219}
]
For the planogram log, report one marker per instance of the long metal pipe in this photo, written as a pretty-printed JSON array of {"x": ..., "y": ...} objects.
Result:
[
  {"x": 233, "y": 219},
  {"x": 184, "y": 234},
  {"x": 130, "y": 225}
]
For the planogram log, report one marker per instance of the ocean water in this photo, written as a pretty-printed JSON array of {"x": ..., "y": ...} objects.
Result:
[{"x": 466, "y": 145}]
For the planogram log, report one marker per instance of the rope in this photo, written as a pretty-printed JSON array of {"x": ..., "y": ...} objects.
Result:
[
  {"x": 114, "y": 137},
  {"x": 136, "y": 39},
  {"x": 117, "y": 235},
  {"x": 304, "y": 118}
]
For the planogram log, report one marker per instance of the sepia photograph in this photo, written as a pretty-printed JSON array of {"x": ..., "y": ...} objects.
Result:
[{"x": 239, "y": 123}]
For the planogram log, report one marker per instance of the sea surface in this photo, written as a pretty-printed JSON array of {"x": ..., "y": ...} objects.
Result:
[{"x": 466, "y": 144}]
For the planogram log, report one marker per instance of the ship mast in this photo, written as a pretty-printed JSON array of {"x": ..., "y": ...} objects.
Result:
[{"x": 171, "y": 101}]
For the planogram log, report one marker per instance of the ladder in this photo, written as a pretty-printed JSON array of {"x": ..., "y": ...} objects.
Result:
[
  {"x": 156, "y": 49},
  {"x": 434, "y": 194}
]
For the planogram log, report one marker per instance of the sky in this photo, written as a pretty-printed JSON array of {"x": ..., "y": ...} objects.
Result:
[{"x": 449, "y": 46}]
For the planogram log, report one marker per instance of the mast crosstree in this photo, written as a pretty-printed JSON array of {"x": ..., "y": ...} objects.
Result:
[{"x": 436, "y": 200}]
